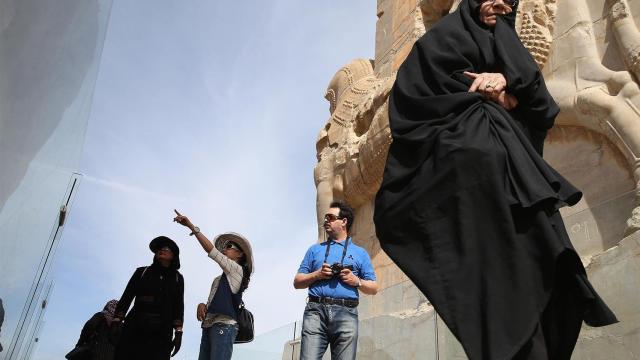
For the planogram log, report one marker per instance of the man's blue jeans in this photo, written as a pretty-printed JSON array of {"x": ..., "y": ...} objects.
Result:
[
  {"x": 217, "y": 342},
  {"x": 333, "y": 325}
]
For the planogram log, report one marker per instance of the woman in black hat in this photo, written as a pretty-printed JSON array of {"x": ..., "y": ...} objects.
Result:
[
  {"x": 232, "y": 252},
  {"x": 153, "y": 327},
  {"x": 468, "y": 208}
]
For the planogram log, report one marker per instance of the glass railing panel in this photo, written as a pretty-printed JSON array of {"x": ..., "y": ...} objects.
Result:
[
  {"x": 449, "y": 347},
  {"x": 397, "y": 323},
  {"x": 32, "y": 337},
  {"x": 267, "y": 346},
  {"x": 49, "y": 58}
]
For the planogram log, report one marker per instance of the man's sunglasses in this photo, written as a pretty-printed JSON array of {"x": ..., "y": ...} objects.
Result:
[{"x": 331, "y": 218}]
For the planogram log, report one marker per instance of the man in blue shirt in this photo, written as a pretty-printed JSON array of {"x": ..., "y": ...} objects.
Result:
[{"x": 335, "y": 271}]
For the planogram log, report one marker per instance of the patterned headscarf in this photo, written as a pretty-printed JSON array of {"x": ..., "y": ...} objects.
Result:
[{"x": 110, "y": 310}]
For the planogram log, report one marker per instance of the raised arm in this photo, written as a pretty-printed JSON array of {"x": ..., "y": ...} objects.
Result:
[
  {"x": 233, "y": 270},
  {"x": 184, "y": 221}
]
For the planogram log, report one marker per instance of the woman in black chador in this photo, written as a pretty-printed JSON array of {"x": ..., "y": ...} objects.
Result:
[
  {"x": 468, "y": 208},
  {"x": 153, "y": 327}
]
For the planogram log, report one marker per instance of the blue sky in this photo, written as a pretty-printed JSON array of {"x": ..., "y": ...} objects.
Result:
[{"x": 213, "y": 108}]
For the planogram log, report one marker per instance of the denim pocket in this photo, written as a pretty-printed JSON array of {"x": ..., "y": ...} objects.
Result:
[
  {"x": 352, "y": 310},
  {"x": 312, "y": 306}
]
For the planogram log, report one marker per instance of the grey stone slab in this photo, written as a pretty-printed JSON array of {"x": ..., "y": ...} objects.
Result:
[
  {"x": 449, "y": 348},
  {"x": 615, "y": 274},
  {"x": 398, "y": 337}
]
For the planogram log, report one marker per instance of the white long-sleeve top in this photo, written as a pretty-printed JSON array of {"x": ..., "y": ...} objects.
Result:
[{"x": 234, "y": 275}]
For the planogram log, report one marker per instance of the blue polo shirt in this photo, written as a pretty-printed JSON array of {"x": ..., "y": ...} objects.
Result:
[{"x": 355, "y": 256}]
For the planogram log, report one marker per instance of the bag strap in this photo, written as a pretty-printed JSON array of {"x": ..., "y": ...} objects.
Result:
[
  {"x": 344, "y": 250},
  {"x": 144, "y": 271},
  {"x": 237, "y": 305}
]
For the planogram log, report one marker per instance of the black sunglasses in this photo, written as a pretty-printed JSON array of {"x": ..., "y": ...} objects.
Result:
[
  {"x": 231, "y": 245},
  {"x": 510, "y": 3}
]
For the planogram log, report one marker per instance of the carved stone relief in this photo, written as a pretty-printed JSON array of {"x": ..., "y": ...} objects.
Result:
[
  {"x": 352, "y": 146},
  {"x": 603, "y": 99}
]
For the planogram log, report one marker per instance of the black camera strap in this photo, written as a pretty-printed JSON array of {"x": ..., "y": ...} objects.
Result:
[{"x": 344, "y": 251}]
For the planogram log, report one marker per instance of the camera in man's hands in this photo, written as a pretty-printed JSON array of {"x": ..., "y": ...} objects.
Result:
[{"x": 337, "y": 267}]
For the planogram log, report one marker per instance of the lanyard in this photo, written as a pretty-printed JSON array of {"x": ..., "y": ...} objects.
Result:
[{"x": 344, "y": 251}]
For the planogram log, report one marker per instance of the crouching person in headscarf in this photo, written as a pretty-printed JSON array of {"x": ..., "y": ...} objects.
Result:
[
  {"x": 96, "y": 333},
  {"x": 96, "y": 342},
  {"x": 153, "y": 328}
]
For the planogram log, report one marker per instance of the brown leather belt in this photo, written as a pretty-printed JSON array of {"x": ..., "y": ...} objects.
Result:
[{"x": 332, "y": 301}]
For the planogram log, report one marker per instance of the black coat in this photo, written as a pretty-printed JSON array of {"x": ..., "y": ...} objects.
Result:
[
  {"x": 468, "y": 207},
  {"x": 158, "y": 308}
]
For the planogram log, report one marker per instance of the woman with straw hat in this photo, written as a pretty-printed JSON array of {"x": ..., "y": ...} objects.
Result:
[{"x": 232, "y": 252}]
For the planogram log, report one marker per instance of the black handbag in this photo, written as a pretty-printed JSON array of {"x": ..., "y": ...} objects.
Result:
[{"x": 245, "y": 325}]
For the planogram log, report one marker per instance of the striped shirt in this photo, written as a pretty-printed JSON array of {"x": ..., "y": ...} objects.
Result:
[{"x": 234, "y": 275}]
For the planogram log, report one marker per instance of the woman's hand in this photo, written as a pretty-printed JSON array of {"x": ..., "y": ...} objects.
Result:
[
  {"x": 201, "y": 312},
  {"x": 177, "y": 342},
  {"x": 183, "y": 220},
  {"x": 492, "y": 86},
  {"x": 507, "y": 101},
  {"x": 488, "y": 84}
]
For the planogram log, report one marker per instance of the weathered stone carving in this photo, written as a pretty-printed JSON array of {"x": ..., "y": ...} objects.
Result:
[
  {"x": 589, "y": 93},
  {"x": 434, "y": 10},
  {"x": 536, "y": 20},
  {"x": 589, "y": 53},
  {"x": 352, "y": 146},
  {"x": 627, "y": 35}
]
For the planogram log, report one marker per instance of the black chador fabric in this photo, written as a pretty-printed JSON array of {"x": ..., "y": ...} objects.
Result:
[{"x": 468, "y": 207}]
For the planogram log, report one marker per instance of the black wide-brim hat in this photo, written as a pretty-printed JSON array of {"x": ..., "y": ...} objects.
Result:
[{"x": 162, "y": 241}]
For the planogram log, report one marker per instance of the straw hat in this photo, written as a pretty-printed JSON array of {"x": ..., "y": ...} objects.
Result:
[{"x": 221, "y": 240}]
